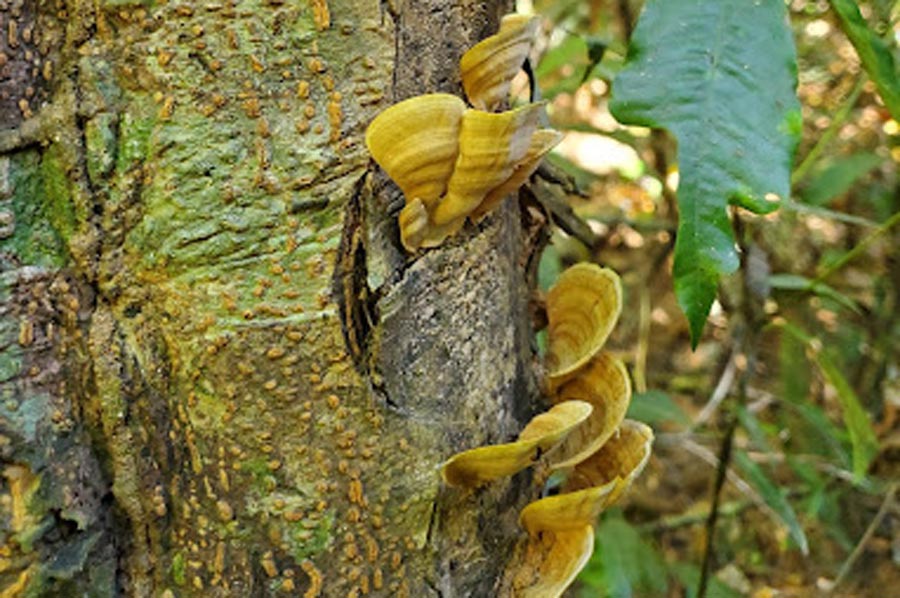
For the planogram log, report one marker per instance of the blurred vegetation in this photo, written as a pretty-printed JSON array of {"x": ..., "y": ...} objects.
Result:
[{"x": 798, "y": 371}]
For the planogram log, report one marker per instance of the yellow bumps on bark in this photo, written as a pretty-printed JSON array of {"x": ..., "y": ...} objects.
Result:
[
  {"x": 582, "y": 308},
  {"x": 488, "y": 68},
  {"x": 552, "y": 561},
  {"x": 603, "y": 382},
  {"x": 480, "y": 465}
]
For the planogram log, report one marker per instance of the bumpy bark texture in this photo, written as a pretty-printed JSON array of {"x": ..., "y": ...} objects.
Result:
[{"x": 219, "y": 374}]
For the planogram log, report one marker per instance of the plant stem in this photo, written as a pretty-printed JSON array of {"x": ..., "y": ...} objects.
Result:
[
  {"x": 809, "y": 161},
  {"x": 859, "y": 247},
  {"x": 724, "y": 460},
  {"x": 861, "y": 545}
]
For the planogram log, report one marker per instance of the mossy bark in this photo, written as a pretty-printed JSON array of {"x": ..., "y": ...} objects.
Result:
[{"x": 220, "y": 375}]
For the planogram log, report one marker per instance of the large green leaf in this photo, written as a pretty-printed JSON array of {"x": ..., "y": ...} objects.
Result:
[
  {"x": 721, "y": 77},
  {"x": 874, "y": 53}
]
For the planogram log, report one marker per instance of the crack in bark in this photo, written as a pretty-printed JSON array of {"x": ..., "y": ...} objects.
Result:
[{"x": 357, "y": 303}]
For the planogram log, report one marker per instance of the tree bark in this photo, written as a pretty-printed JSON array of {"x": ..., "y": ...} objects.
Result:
[{"x": 220, "y": 373}]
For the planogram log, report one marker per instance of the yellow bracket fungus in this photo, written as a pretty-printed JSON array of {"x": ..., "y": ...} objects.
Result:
[
  {"x": 488, "y": 68},
  {"x": 603, "y": 383},
  {"x": 491, "y": 146},
  {"x": 582, "y": 308},
  {"x": 416, "y": 143},
  {"x": 561, "y": 528},
  {"x": 480, "y": 465},
  {"x": 455, "y": 163},
  {"x": 552, "y": 561},
  {"x": 595, "y": 483}
]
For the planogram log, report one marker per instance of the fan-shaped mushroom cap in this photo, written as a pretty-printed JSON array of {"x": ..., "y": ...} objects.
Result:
[
  {"x": 594, "y": 484},
  {"x": 621, "y": 460},
  {"x": 582, "y": 308},
  {"x": 480, "y": 465},
  {"x": 603, "y": 383},
  {"x": 489, "y": 66},
  {"x": 417, "y": 230},
  {"x": 542, "y": 142},
  {"x": 552, "y": 561},
  {"x": 491, "y": 147},
  {"x": 416, "y": 142}
]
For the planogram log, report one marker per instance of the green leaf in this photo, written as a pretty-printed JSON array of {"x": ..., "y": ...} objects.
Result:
[
  {"x": 720, "y": 76},
  {"x": 795, "y": 282},
  {"x": 773, "y": 497},
  {"x": 656, "y": 407},
  {"x": 689, "y": 576},
  {"x": 862, "y": 436},
  {"x": 838, "y": 177},
  {"x": 754, "y": 429},
  {"x": 874, "y": 53},
  {"x": 863, "y": 442},
  {"x": 549, "y": 267},
  {"x": 624, "y": 562}
]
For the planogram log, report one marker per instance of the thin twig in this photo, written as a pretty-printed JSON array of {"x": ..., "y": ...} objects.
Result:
[
  {"x": 802, "y": 208},
  {"x": 726, "y": 380},
  {"x": 721, "y": 472},
  {"x": 729, "y": 509},
  {"x": 861, "y": 545},
  {"x": 710, "y": 458},
  {"x": 643, "y": 346}
]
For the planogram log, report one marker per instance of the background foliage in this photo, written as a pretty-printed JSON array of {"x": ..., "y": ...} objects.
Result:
[{"x": 795, "y": 380}]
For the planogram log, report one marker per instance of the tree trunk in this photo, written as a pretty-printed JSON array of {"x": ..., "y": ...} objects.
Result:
[{"x": 220, "y": 374}]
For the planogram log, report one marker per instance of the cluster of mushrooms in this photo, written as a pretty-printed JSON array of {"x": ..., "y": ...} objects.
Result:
[
  {"x": 584, "y": 438},
  {"x": 453, "y": 162}
]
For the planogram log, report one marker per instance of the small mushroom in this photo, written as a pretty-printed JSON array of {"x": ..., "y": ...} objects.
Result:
[
  {"x": 416, "y": 142},
  {"x": 603, "y": 383},
  {"x": 480, "y": 465},
  {"x": 582, "y": 308},
  {"x": 417, "y": 231},
  {"x": 489, "y": 66}
]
